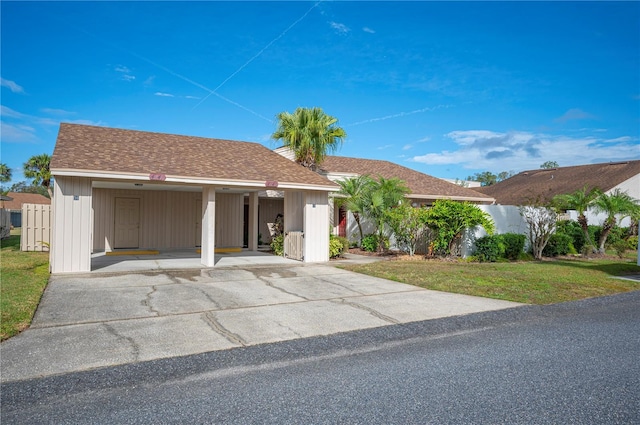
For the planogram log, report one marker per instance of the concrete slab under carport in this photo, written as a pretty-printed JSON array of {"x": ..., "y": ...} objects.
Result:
[
  {"x": 106, "y": 319},
  {"x": 180, "y": 259}
]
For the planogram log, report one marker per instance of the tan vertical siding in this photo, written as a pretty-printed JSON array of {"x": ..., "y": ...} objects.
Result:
[
  {"x": 293, "y": 211},
  {"x": 229, "y": 219},
  {"x": 167, "y": 218},
  {"x": 268, "y": 209},
  {"x": 71, "y": 239},
  {"x": 36, "y": 227}
]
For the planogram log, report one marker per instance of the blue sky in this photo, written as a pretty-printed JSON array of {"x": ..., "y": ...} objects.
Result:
[{"x": 446, "y": 88}]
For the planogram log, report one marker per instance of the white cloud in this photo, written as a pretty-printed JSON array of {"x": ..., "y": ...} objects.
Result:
[
  {"x": 369, "y": 30},
  {"x": 17, "y": 133},
  {"x": 407, "y": 147},
  {"x": 122, "y": 68},
  {"x": 5, "y": 111},
  {"x": 495, "y": 151},
  {"x": 128, "y": 77},
  {"x": 163, "y": 94},
  {"x": 191, "y": 97},
  {"x": 339, "y": 28},
  {"x": 574, "y": 114},
  {"x": 11, "y": 85},
  {"x": 384, "y": 147},
  {"x": 423, "y": 140},
  {"x": 53, "y": 111},
  {"x": 89, "y": 122},
  {"x": 149, "y": 81}
]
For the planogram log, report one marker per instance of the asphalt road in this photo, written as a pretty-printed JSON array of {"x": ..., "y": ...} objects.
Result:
[{"x": 568, "y": 363}]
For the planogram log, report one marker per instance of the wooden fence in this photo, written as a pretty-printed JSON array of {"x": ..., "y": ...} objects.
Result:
[{"x": 36, "y": 227}]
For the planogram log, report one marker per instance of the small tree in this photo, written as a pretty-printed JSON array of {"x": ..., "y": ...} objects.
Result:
[
  {"x": 542, "y": 224},
  {"x": 580, "y": 200},
  {"x": 379, "y": 198},
  {"x": 408, "y": 225},
  {"x": 37, "y": 168},
  {"x": 549, "y": 164},
  {"x": 616, "y": 203},
  {"x": 449, "y": 219},
  {"x": 353, "y": 191},
  {"x": 5, "y": 173}
]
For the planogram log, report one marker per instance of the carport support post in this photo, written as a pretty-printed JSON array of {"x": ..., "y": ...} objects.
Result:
[
  {"x": 207, "y": 248},
  {"x": 253, "y": 221}
]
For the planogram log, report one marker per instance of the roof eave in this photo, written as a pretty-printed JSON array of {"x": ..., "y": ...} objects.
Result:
[{"x": 258, "y": 184}]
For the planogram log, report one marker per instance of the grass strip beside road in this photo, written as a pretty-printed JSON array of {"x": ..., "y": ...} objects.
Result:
[
  {"x": 24, "y": 275},
  {"x": 533, "y": 282}
]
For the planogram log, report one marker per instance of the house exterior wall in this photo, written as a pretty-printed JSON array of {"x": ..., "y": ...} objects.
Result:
[
  {"x": 229, "y": 220},
  {"x": 167, "y": 218},
  {"x": 506, "y": 218},
  {"x": 316, "y": 227},
  {"x": 72, "y": 226},
  {"x": 293, "y": 211},
  {"x": 269, "y": 208}
]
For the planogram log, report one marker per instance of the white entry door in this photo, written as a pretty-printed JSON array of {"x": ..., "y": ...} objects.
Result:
[
  {"x": 127, "y": 223},
  {"x": 198, "y": 222}
]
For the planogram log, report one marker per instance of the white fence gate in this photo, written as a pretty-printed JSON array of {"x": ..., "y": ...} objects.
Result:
[{"x": 36, "y": 227}]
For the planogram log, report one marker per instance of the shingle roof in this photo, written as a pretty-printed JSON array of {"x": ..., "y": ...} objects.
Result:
[
  {"x": 24, "y": 198},
  {"x": 542, "y": 185},
  {"x": 82, "y": 147},
  {"x": 420, "y": 184}
]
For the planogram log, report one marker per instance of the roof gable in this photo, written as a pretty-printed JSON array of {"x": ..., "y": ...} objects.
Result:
[
  {"x": 543, "y": 184},
  {"x": 421, "y": 185},
  {"x": 112, "y": 150}
]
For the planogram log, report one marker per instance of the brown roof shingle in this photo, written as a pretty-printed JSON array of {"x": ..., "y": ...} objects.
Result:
[
  {"x": 543, "y": 184},
  {"x": 82, "y": 147},
  {"x": 24, "y": 198},
  {"x": 419, "y": 183}
]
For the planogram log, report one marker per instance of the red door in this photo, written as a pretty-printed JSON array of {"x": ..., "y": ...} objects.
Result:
[{"x": 342, "y": 224}]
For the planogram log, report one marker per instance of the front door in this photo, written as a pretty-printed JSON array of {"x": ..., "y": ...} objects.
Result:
[
  {"x": 127, "y": 223},
  {"x": 342, "y": 223}
]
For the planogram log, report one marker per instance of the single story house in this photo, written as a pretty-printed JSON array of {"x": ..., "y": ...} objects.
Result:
[
  {"x": 541, "y": 185},
  {"x": 124, "y": 189},
  {"x": 14, "y": 206}
]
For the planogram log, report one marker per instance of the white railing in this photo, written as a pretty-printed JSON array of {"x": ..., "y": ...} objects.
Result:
[{"x": 294, "y": 245}]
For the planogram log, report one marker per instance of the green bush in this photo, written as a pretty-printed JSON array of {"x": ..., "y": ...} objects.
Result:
[
  {"x": 616, "y": 235},
  {"x": 337, "y": 245},
  {"x": 573, "y": 229},
  {"x": 632, "y": 242},
  {"x": 489, "y": 248},
  {"x": 277, "y": 245},
  {"x": 559, "y": 244},
  {"x": 620, "y": 247},
  {"x": 370, "y": 242},
  {"x": 513, "y": 245}
]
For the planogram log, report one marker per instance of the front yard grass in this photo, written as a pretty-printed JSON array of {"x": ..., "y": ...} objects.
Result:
[
  {"x": 532, "y": 282},
  {"x": 23, "y": 277}
]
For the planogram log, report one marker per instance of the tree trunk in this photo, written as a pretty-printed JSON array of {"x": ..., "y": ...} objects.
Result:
[
  {"x": 582, "y": 220},
  {"x": 606, "y": 229},
  {"x": 357, "y": 217}
]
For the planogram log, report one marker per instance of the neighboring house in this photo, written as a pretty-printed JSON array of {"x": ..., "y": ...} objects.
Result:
[
  {"x": 424, "y": 188},
  {"x": 540, "y": 186},
  {"x": 14, "y": 206},
  {"x": 5, "y": 218},
  {"x": 124, "y": 189}
]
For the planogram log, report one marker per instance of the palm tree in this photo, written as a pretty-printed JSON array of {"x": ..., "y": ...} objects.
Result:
[
  {"x": 5, "y": 173},
  {"x": 383, "y": 195},
  {"x": 37, "y": 168},
  {"x": 616, "y": 203},
  {"x": 580, "y": 200},
  {"x": 310, "y": 133},
  {"x": 352, "y": 192}
]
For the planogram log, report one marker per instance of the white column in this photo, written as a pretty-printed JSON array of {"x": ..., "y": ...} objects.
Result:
[
  {"x": 207, "y": 248},
  {"x": 253, "y": 221}
]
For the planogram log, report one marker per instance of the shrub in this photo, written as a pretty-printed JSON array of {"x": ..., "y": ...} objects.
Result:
[
  {"x": 337, "y": 245},
  {"x": 559, "y": 244},
  {"x": 632, "y": 242},
  {"x": 370, "y": 242},
  {"x": 513, "y": 245},
  {"x": 489, "y": 248},
  {"x": 620, "y": 247},
  {"x": 573, "y": 229},
  {"x": 277, "y": 245}
]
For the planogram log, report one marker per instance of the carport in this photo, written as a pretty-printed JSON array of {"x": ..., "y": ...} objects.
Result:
[{"x": 122, "y": 191}]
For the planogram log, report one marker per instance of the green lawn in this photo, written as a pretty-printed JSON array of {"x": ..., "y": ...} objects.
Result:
[
  {"x": 23, "y": 277},
  {"x": 533, "y": 282}
]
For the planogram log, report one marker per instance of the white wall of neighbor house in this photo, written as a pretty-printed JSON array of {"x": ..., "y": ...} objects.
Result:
[{"x": 72, "y": 226}]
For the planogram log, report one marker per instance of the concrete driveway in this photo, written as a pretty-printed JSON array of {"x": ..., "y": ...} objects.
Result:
[{"x": 97, "y": 320}]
